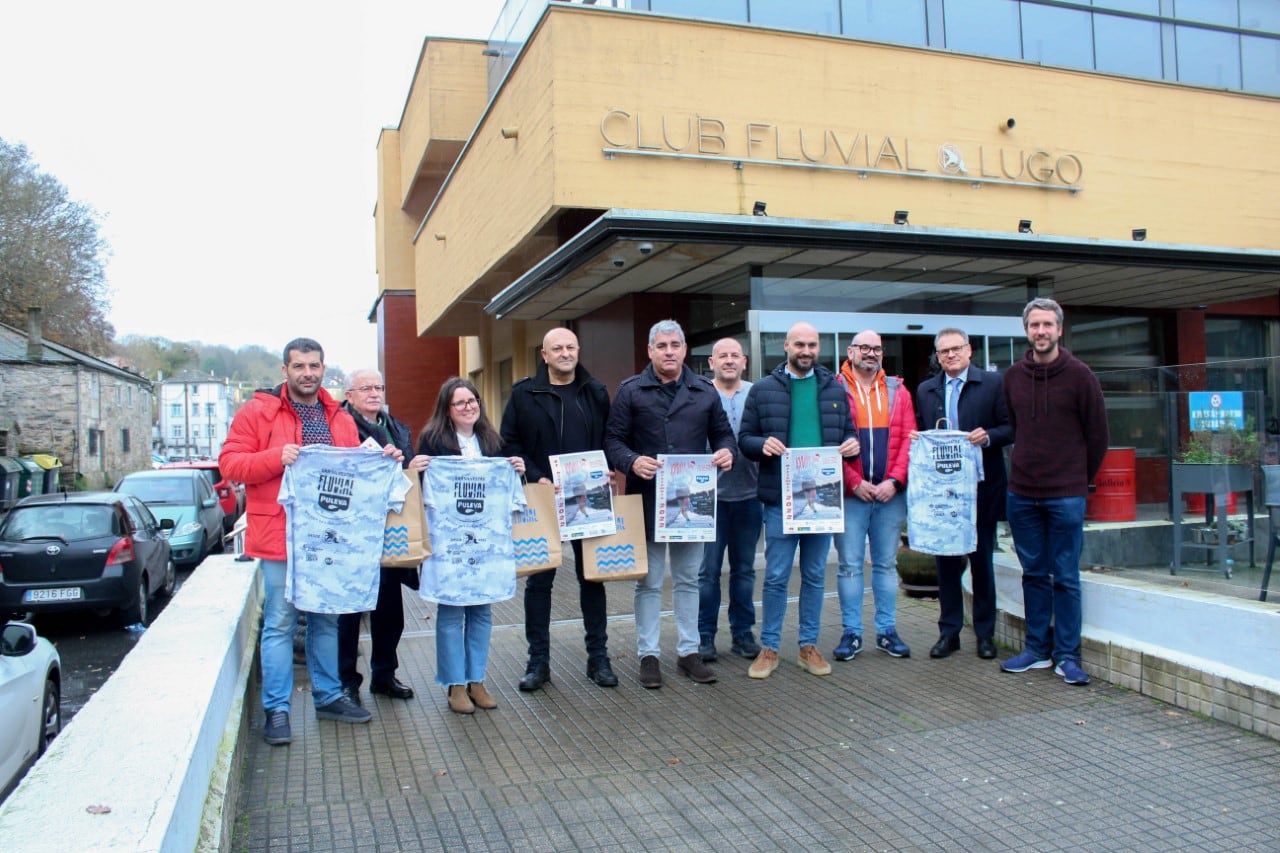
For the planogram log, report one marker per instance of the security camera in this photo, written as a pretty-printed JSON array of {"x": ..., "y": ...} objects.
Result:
[
  {"x": 1010, "y": 123},
  {"x": 645, "y": 248},
  {"x": 619, "y": 262}
]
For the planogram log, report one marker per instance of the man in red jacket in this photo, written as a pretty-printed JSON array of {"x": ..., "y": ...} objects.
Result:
[
  {"x": 875, "y": 503},
  {"x": 266, "y": 436}
]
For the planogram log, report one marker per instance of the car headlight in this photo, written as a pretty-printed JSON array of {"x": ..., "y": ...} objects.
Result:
[{"x": 187, "y": 529}]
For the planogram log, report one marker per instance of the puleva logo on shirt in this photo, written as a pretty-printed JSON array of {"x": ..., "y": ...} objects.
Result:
[
  {"x": 947, "y": 458},
  {"x": 335, "y": 490},
  {"x": 469, "y": 496}
]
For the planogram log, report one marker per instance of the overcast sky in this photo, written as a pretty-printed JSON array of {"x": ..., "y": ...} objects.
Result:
[{"x": 229, "y": 149}]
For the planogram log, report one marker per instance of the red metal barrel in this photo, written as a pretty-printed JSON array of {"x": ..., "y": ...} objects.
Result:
[{"x": 1115, "y": 498}]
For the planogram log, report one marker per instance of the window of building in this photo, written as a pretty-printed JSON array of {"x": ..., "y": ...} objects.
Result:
[
  {"x": 1128, "y": 46},
  {"x": 175, "y": 410},
  {"x": 93, "y": 442},
  {"x": 891, "y": 21},
  {"x": 1208, "y": 57},
  {"x": 195, "y": 409},
  {"x": 821, "y": 16},
  {"x": 504, "y": 386},
  {"x": 195, "y": 390},
  {"x": 1054, "y": 36},
  {"x": 124, "y": 440},
  {"x": 210, "y": 409},
  {"x": 983, "y": 27},
  {"x": 175, "y": 431},
  {"x": 1261, "y": 60},
  {"x": 195, "y": 431},
  {"x": 715, "y": 10}
]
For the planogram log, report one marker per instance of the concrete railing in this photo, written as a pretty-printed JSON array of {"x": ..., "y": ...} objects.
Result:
[{"x": 151, "y": 762}]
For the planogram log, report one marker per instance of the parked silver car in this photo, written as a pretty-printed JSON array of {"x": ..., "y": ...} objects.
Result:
[
  {"x": 30, "y": 700},
  {"x": 187, "y": 498}
]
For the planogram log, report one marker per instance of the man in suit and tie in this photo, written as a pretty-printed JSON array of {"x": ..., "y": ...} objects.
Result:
[{"x": 971, "y": 400}]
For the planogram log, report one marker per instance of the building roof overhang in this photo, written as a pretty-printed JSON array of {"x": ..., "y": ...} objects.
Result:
[{"x": 642, "y": 251}]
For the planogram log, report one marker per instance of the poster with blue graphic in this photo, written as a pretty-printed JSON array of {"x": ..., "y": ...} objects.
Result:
[
  {"x": 1215, "y": 410},
  {"x": 584, "y": 499},
  {"x": 812, "y": 490},
  {"x": 685, "y": 510}
]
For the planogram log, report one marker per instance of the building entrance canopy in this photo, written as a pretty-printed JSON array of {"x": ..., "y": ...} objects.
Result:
[{"x": 638, "y": 251}]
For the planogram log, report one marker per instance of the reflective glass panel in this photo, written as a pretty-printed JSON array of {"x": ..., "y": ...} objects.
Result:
[
  {"x": 1053, "y": 36},
  {"x": 821, "y": 16},
  {"x": 1261, "y": 61},
  {"x": 893, "y": 21},
  {"x": 713, "y": 10},
  {"x": 1127, "y": 46},
  {"x": 1208, "y": 58},
  {"x": 983, "y": 27},
  {"x": 1207, "y": 11}
]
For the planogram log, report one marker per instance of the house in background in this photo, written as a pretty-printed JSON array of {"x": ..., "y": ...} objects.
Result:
[
  {"x": 94, "y": 416},
  {"x": 194, "y": 413}
]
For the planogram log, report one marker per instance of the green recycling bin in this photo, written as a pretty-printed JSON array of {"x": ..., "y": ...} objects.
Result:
[{"x": 10, "y": 476}]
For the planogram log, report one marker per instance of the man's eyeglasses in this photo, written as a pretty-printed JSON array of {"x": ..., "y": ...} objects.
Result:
[
  {"x": 466, "y": 404},
  {"x": 365, "y": 389},
  {"x": 868, "y": 350},
  {"x": 950, "y": 351}
]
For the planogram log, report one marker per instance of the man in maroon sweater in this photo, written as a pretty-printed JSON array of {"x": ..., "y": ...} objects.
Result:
[{"x": 1060, "y": 436}]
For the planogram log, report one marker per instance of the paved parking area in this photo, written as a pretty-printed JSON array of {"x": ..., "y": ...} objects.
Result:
[{"x": 884, "y": 754}]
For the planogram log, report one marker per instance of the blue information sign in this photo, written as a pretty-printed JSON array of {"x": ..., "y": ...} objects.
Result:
[{"x": 1215, "y": 410}]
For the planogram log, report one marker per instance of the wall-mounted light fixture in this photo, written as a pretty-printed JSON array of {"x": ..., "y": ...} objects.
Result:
[
  {"x": 757, "y": 209},
  {"x": 900, "y": 217},
  {"x": 1008, "y": 125},
  {"x": 1024, "y": 226},
  {"x": 1139, "y": 234},
  {"x": 510, "y": 132}
]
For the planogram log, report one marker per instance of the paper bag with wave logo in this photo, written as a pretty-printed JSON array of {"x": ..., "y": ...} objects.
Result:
[
  {"x": 620, "y": 556},
  {"x": 536, "y": 532}
]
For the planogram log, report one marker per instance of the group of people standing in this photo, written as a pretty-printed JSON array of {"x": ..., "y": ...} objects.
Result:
[{"x": 1048, "y": 406}]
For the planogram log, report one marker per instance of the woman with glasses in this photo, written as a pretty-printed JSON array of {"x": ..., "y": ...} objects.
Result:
[{"x": 471, "y": 565}]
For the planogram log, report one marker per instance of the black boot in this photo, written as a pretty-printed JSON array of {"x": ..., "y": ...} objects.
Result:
[
  {"x": 599, "y": 671},
  {"x": 536, "y": 674}
]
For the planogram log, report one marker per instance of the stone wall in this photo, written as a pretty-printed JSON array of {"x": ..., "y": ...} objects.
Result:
[{"x": 53, "y": 407}]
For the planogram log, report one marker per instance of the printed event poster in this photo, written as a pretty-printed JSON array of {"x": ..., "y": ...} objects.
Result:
[
  {"x": 812, "y": 490},
  {"x": 584, "y": 501},
  {"x": 686, "y": 508}
]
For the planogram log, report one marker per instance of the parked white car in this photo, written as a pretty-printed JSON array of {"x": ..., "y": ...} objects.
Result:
[{"x": 30, "y": 700}]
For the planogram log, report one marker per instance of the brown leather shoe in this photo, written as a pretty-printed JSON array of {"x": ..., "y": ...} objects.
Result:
[
  {"x": 650, "y": 672},
  {"x": 764, "y": 664},
  {"x": 812, "y": 661},
  {"x": 692, "y": 666},
  {"x": 459, "y": 702},
  {"x": 481, "y": 697}
]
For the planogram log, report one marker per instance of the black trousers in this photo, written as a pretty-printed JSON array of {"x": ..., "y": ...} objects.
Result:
[
  {"x": 386, "y": 624},
  {"x": 950, "y": 596},
  {"x": 537, "y": 612}
]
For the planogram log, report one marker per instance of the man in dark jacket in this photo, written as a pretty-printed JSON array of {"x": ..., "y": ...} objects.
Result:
[
  {"x": 799, "y": 404},
  {"x": 560, "y": 410},
  {"x": 366, "y": 404},
  {"x": 1060, "y": 437},
  {"x": 666, "y": 409},
  {"x": 971, "y": 400}
]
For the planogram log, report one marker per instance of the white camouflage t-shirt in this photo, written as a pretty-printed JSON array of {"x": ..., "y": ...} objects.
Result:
[
  {"x": 942, "y": 493},
  {"x": 336, "y": 501},
  {"x": 469, "y": 513}
]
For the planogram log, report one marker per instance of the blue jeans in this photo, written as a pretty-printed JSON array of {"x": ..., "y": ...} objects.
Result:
[
  {"x": 686, "y": 557},
  {"x": 1048, "y": 534},
  {"x": 881, "y": 523},
  {"x": 279, "y": 619},
  {"x": 462, "y": 643},
  {"x": 779, "y": 553},
  {"x": 738, "y": 531}
]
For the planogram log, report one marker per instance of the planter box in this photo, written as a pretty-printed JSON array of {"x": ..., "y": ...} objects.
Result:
[{"x": 1217, "y": 478}]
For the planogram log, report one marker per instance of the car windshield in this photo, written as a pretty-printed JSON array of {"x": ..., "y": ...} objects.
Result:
[
  {"x": 67, "y": 522},
  {"x": 159, "y": 490}
]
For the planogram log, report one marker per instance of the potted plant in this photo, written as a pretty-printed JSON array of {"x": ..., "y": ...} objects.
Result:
[{"x": 1217, "y": 462}]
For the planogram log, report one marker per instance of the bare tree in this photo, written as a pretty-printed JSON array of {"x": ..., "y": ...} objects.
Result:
[{"x": 51, "y": 256}]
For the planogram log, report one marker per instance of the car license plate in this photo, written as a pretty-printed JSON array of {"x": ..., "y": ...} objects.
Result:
[{"x": 72, "y": 593}]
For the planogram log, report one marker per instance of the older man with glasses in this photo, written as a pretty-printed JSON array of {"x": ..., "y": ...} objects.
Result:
[
  {"x": 971, "y": 400},
  {"x": 366, "y": 403}
]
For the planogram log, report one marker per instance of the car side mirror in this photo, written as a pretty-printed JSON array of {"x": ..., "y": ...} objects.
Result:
[
  {"x": 166, "y": 524},
  {"x": 209, "y": 503},
  {"x": 17, "y": 639}
]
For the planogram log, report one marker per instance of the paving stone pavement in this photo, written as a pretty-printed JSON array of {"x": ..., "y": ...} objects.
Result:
[{"x": 883, "y": 754}]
